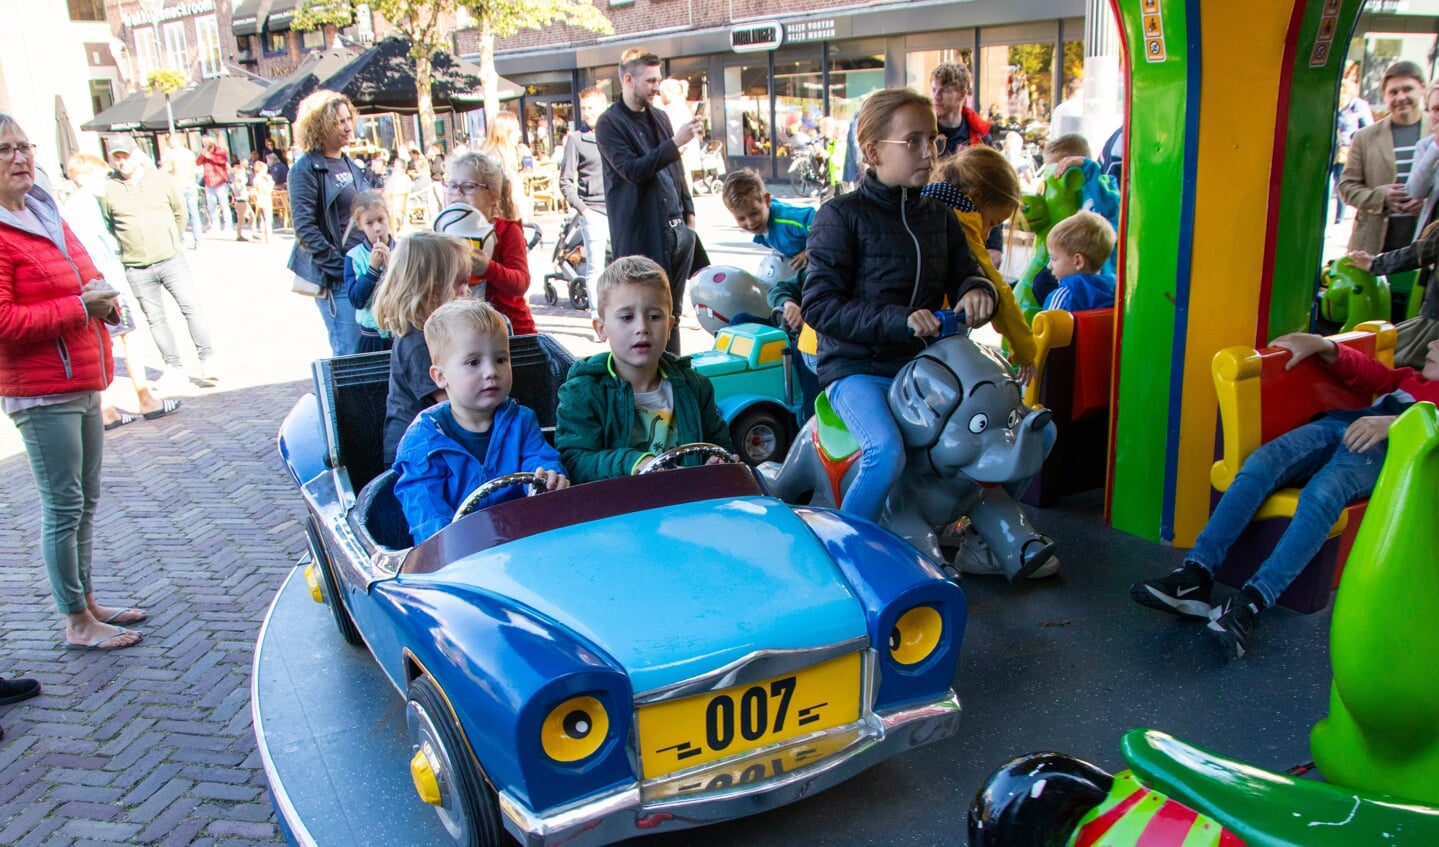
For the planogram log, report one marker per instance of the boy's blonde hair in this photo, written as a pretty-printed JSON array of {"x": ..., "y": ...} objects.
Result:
[
  {"x": 421, "y": 278},
  {"x": 1087, "y": 234},
  {"x": 1072, "y": 144},
  {"x": 632, "y": 270},
  {"x": 491, "y": 171},
  {"x": 986, "y": 177},
  {"x": 741, "y": 188},
  {"x": 457, "y": 316}
]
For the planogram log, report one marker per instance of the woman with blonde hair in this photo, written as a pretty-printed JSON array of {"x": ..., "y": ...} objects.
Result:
[
  {"x": 503, "y": 142},
  {"x": 322, "y": 184}
]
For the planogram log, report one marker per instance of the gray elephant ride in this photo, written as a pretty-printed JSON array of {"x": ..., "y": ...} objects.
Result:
[{"x": 967, "y": 435}]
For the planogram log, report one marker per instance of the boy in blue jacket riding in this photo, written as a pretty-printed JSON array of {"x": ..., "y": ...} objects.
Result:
[{"x": 478, "y": 433}]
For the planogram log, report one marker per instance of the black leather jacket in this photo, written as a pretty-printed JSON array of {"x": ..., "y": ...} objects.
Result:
[
  {"x": 876, "y": 255},
  {"x": 320, "y": 245}
]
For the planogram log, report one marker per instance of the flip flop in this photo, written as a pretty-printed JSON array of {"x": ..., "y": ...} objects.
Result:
[
  {"x": 99, "y": 643},
  {"x": 115, "y": 618},
  {"x": 125, "y": 418},
  {"x": 168, "y": 407}
]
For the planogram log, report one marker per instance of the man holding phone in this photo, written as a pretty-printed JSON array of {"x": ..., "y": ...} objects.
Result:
[{"x": 651, "y": 211}]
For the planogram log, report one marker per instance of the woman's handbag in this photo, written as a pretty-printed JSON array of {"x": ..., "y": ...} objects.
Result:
[{"x": 300, "y": 285}]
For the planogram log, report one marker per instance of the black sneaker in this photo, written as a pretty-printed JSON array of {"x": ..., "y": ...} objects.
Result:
[
  {"x": 15, "y": 690},
  {"x": 1234, "y": 621},
  {"x": 1185, "y": 591}
]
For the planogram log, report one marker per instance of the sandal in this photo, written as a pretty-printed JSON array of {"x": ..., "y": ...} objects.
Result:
[
  {"x": 168, "y": 407},
  {"x": 124, "y": 418}
]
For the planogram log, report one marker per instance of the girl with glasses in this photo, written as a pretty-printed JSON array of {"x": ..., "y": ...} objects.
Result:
[{"x": 479, "y": 180}]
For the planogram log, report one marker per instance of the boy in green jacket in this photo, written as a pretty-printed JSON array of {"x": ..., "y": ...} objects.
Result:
[{"x": 618, "y": 409}]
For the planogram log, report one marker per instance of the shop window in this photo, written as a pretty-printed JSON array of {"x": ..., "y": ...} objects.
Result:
[
  {"x": 312, "y": 39},
  {"x": 694, "y": 73},
  {"x": 275, "y": 43},
  {"x": 1016, "y": 83},
  {"x": 147, "y": 53},
  {"x": 919, "y": 64},
  {"x": 746, "y": 110},
  {"x": 102, "y": 95},
  {"x": 855, "y": 69},
  {"x": 798, "y": 103},
  {"x": 207, "y": 33},
  {"x": 177, "y": 53}
]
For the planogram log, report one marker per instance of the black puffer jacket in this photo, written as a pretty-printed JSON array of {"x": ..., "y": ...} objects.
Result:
[{"x": 875, "y": 256}]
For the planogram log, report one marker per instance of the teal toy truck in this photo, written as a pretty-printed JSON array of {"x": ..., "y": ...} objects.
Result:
[{"x": 755, "y": 389}]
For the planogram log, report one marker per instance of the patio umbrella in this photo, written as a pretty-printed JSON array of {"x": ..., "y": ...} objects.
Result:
[
  {"x": 382, "y": 79},
  {"x": 211, "y": 103},
  {"x": 66, "y": 145},
  {"x": 282, "y": 99},
  {"x": 134, "y": 112}
]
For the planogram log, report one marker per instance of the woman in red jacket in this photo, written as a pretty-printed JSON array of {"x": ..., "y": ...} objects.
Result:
[
  {"x": 480, "y": 181},
  {"x": 54, "y": 362}
]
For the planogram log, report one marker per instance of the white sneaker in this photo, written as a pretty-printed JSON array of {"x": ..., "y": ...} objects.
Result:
[
  {"x": 172, "y": 381},
  {"x": 207, "y": 372}
]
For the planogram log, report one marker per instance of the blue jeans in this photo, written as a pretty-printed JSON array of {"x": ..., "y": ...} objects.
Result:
[
  {"x": 191, "y": 193},
  {"x": 172, "y": 275},
  {"x": 1337, "y": 477},
  {"x": 595, "y": 231},
  {"x": 65, "y": 442},
  {"x": 339, "y": 318},
  {"x": 862, "y": 402},
  {"x": 218, "y": 196}
]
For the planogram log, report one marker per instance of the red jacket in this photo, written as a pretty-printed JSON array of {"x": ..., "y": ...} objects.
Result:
[
  {"x": 507, "y": 282},
  {"x": 48, "y": 343},
  {"x": 216, "y": 163}
]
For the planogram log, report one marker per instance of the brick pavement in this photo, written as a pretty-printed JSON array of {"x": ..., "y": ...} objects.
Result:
[{"x": 199, "y": 523}]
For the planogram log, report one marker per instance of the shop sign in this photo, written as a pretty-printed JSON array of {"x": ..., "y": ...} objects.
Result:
[
  {"x": 797, "y": 32},
  {"x": 179, "y": 10},
  {"x": 753, "y": 38}
]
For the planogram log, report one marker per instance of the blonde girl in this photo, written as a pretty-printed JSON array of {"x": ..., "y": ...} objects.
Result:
[
  {"x": 365, "y": 265},
  {"x": 427, "y": 270},
  {"x": 481, "y": 181},
  {"x": 262, "y": 190},
  {"x": 503, "y": 142},
  {"x": 881, "y": 260},
  {"x": 983, "y": 189}
]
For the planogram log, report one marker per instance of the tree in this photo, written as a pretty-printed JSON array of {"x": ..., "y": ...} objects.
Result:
[
  {"x": 505, "y": 18},
  {"x": 425, "y": 24},
  {"x": 167, "y": 81}
]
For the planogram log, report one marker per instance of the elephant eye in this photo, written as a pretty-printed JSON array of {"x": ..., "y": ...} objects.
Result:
[
  {"x": 979, "y": 423},
  {"x": 1013, "y": 418}
]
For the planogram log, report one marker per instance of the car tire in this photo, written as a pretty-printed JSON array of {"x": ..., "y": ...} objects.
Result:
[
  {"x": 469, "y": 809},
  {"x": 760, "y": 435},
  {"x": 333, "y": 598}
]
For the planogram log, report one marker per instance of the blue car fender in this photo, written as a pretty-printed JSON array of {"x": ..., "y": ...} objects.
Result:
[
  {"x": 302, "y": 440},
  {"x": 506, "y": 672},
  {"x": 891, "y": 578}
]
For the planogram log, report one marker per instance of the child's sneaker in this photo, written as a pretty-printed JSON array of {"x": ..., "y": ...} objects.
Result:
[
  {"x": 1234, "y": 621},
  {"x": 1185, "y": 591},
  {"x": 973, "y": 556}
]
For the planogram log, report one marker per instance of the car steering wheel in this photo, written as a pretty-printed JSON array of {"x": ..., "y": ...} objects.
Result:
[
  {"x": 474, "y": 498},
  {"x": 671, "y": 457}
]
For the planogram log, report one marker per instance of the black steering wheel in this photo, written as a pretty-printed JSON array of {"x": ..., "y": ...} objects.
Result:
[
  {"x": 671, "y": 457},
  {"x": 474, "y": 498}
]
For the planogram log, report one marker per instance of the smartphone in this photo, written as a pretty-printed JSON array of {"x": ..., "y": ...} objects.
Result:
[{"x": 699, "y": 109}]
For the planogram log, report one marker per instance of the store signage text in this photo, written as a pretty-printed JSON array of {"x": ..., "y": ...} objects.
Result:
[
  {"x": 756, "y": 37},
  {"x": 179, "y": 10},
  {"x": 799, "y": 31}
]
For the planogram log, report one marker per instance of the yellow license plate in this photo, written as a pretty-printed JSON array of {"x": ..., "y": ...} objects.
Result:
[
  {"x": 681, "y": 734},
  {"x": 751, "y": 769}
]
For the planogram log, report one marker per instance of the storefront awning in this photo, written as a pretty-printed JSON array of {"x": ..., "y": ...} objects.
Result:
[
  {"x": 248, "y": 16},
  {"x": 281, "y": 13}
]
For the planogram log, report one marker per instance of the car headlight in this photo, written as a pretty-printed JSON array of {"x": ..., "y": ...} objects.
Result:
[
  {"x": 916, "y": 635},
  {"x": 575, "y": 729}
]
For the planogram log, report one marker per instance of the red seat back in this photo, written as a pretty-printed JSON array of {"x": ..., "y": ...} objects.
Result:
[
  {"x": 1093, "y": 362},
  {"x": 1295, "y": 397}
]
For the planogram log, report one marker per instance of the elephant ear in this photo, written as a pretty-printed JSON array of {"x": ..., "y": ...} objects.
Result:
[{"x": 922, "y": 397}]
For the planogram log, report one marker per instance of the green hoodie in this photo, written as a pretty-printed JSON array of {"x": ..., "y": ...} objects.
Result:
[
  {"x": 146, "y": 213},
  {"x": 595, "y": 421}
]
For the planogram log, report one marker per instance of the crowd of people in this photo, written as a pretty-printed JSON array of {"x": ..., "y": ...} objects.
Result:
[{"x": 921, "y": 231}]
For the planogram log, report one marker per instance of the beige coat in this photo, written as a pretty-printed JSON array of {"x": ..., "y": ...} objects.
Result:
[{"x": 1368, "y": 172}]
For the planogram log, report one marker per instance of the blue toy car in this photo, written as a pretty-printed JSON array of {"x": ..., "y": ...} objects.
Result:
[{"x": 624, "y": 657}]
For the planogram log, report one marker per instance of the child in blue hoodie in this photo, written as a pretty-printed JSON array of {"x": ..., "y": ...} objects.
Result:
[
  {"x": 365, "y": 266},
  {"x": 478, "y": 433},
  {"x": 1079, "y": 246}
]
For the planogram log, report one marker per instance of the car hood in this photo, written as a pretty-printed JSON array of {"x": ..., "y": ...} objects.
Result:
[{"x": 676, "y": 592}]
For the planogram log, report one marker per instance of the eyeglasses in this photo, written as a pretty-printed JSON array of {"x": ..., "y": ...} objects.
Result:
[
  {"x": 14, "y": 151},
  {"x": 465, "y": 187},
  {"x": 917, "y": 144}
]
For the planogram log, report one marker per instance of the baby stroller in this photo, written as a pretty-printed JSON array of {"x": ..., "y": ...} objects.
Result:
[
  {"x": 571, "y": 265},
  {"x": 707, "y": 169}
]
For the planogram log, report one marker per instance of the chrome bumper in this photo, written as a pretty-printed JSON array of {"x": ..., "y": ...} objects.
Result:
[{"x": 623, "y": 813}]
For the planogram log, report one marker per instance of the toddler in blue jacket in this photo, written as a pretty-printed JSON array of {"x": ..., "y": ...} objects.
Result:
[
  {"x": 1079, "y": 246},
  {"x": 478, "y": 433}
]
